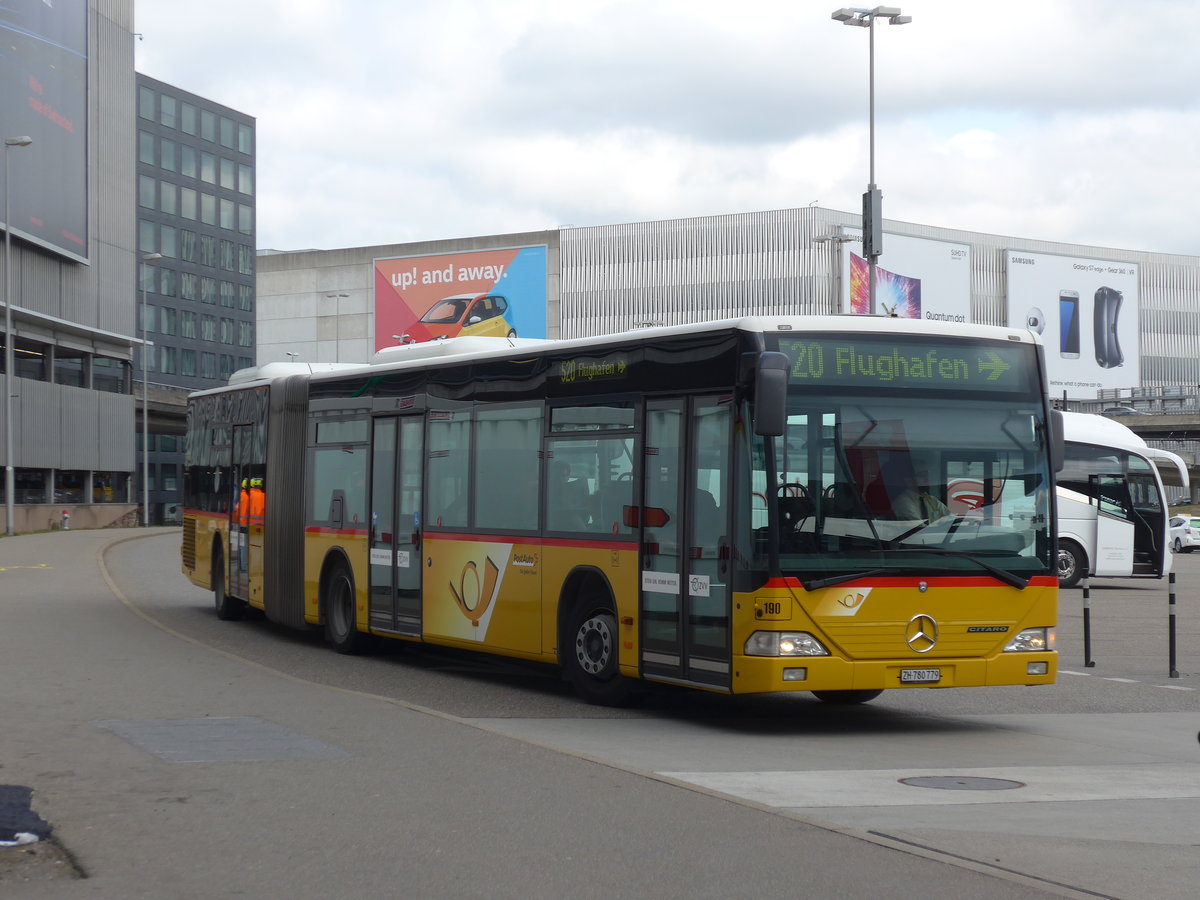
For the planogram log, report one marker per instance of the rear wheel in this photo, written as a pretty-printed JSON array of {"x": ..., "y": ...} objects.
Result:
[
  {"x": 591, "y": 654},
  {"x": 341, "y": 627},
  {"x": 1178, "y": 545},
  {"x": 228, "y": 608},
  {"x": 846, "y": 698},
  {"x": 1072, "y": 564}
]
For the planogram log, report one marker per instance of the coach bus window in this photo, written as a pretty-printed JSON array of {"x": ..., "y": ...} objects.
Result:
[
  {"x": 591, "y": 483},
  {"x": 506, "y": 468},
  {"x": 448, "y": 470},
  {"x": 338, "y": 494}
]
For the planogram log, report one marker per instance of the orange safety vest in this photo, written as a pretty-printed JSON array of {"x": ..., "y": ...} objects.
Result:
[{"x": 258, "y": 506}]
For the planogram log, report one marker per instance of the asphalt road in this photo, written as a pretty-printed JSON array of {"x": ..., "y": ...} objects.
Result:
[{"x": 179, "y": 756}]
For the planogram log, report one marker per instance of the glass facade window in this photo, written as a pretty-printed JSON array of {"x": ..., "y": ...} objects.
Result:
[
  {"x": 246, "y": 297},
  {"x": 146, "y": 103},
  {"x": 208, "y": 365},
  {"x": 245, "y": 259},
  {"x": 147, "y": 277},
  {"x": 227, "y": 331},
  {"x": 245, "y": 139},
  {"x": 166, "y": 154},
  {"x": 187, "y": 324},
  {"x": 146, "y": 191},
  {"x": 245, "y": 179},
  {"x": 227, "y": 294},
  {"x": 168, "y": 360},
  {"x": 227, "y": 214},
  {"x": 187, "y": 203},
  {"x": 110, "y": 375},
  {"x": 146, "y": 148},
  {"x": 166, "y": 282},
  {"x": 149, "y": 317},
  {"x": 69, "y": 367},
  {"x": 167, "y": 111},
  {"x": 227, "y": 256},
  {"x": 208, "y": 209},
  {"x": 166, "y": 241},
  {"x": 208, "y": 125},
  {"x": 245, "y": 219},
  {"x": 187, "y": 118},
  {"x": 187, "y": 161},
  {"x": 146, "y": 235},
  {"x": 227, "y": 174},
  {"x": 208, "y": 250},
  {"x": 168, "y": 198},
  {"x": 226, "y": 132},
  {"x": 226, "y": 366},
  {"x": 29, "y": 360},
  {"x": 187, "y": 363},
  {"x": 208, "y": 328},
  {"x": 187, "y": 245},
  {"x": 189, "y": 285},
  {"x": 166, "y": 320},
  {"x": 208, "y": 290},
  {"x": 245, "y": 334},
  {"x": 208, "y": 167}
]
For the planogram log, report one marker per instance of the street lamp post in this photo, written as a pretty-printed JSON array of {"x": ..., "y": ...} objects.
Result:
[
  {"x": 9, "y": 480},
  {"x": 337, "y": 324},
  {"x": 872, "y": 215},
  {"x": 148, "y": 257}
]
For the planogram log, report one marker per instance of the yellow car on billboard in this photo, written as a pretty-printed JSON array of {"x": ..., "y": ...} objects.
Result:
[{"x": 465, "y": 314}]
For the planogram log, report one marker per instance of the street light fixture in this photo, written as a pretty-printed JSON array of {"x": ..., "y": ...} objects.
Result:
[
  {"x": 872, "y": 215},
  {"x": 148, "y": 257},
  {"x": 9, "y": 480},
  {"x": 337, "y": 324}
]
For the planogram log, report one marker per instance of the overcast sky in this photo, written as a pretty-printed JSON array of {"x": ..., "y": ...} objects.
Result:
[{"x": 386, "y": 121}]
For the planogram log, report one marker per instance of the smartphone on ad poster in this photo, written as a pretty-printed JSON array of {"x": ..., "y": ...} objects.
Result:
[{"x": 1068, "y": 324}]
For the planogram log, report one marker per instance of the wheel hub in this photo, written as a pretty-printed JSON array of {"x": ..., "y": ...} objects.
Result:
[{"x": 593, "y": 646}]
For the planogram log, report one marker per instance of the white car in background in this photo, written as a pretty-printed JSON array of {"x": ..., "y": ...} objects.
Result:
[{"x": 1184, "y": 533}]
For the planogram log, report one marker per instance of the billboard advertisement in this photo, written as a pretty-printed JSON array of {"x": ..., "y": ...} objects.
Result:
[
  {"x": 493, "y": 293},
  {"x": 1086, "y": 311},
  {"x": 915, "y": 278},
  {"x": 43, "y": 95}
]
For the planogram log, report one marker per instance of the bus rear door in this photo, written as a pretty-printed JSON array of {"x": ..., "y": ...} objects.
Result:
[{"x": 396, "y": 455}]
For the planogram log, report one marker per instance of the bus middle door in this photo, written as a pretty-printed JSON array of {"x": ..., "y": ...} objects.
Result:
[
  {"x": 397, "y": 449},
  {"x": 685, "y": 605}
]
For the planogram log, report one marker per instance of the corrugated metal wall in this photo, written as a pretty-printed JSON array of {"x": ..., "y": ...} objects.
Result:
[{"x": 617, "y": 277}]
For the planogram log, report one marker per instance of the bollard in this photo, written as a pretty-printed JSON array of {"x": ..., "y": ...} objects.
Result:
[
  {"x": 66, "y": 520},
  {"x": 1172, "y": 670},
  {"x": 1088, "y": 662}
]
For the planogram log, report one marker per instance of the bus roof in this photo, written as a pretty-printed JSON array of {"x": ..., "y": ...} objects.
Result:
[
  {"x": 1088, "y": 428},
  {"x": 472, "y": 348}
]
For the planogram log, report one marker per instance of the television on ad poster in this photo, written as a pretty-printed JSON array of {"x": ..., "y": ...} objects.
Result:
[{"x": 895, "y": 294}]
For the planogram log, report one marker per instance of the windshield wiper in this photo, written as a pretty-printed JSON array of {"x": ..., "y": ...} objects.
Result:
[
  {"x": 1009, "y": 578},
  {"x": 840, "y": 579}
]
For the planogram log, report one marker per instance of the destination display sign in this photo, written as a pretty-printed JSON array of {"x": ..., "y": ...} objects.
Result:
[{"x": 906, "y": 361}]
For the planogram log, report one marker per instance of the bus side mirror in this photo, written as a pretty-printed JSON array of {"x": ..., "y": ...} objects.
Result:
[
  {"x": 1058, "y": 442},
  {"x": 770, "y": 394}
]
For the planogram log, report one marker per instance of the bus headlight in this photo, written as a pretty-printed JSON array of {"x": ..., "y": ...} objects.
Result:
[
  {"x": 784, "y": 643},
  {"x": 1031, "y": 640}
]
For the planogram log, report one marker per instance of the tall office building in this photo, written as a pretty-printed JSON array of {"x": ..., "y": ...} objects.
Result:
[{"x": 196, "y": 256}]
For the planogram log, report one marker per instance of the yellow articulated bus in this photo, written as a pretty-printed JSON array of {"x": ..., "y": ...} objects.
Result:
[{"x": 832, "y": 504}]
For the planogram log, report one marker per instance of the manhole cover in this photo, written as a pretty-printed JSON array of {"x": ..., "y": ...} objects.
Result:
[{"x": 962, "y": 783}]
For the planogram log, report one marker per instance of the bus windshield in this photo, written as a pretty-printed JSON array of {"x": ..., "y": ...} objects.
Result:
[{"x": 884, "y": 481}]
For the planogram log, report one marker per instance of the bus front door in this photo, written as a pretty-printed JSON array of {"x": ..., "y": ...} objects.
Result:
[
  {"x": 685, "y": 599},
  {"x": 395, "y": 591}
]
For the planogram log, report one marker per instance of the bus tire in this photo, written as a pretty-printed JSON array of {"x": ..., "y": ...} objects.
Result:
[
  {"x": 228, "y": 608},
  {"x": 846, "y": 698},
  {"x": 341, "y": 628},
  {"x": 590, "y": 657},
  {"x": 1072, "y": 564}
]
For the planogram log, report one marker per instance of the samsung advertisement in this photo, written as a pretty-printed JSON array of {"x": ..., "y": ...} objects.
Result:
[
  {"x": 915, "y": 278},
  {"x": 43, "y": 95},
  {"x": 1086, "y": 311}
]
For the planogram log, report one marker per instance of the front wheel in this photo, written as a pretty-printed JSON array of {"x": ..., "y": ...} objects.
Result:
[
  {"x": 591, "y": 656},
  {"x": 1072, "y": 564},
  {"x": 846, "y": 698},
  {"x": 341, "y": 624}
]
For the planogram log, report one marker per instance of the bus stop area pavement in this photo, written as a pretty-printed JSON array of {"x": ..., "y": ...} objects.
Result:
[{"x": 154, "y": 762}]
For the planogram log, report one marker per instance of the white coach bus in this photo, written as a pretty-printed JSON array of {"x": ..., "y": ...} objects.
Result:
[{"x": 1112, "y": 505}]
